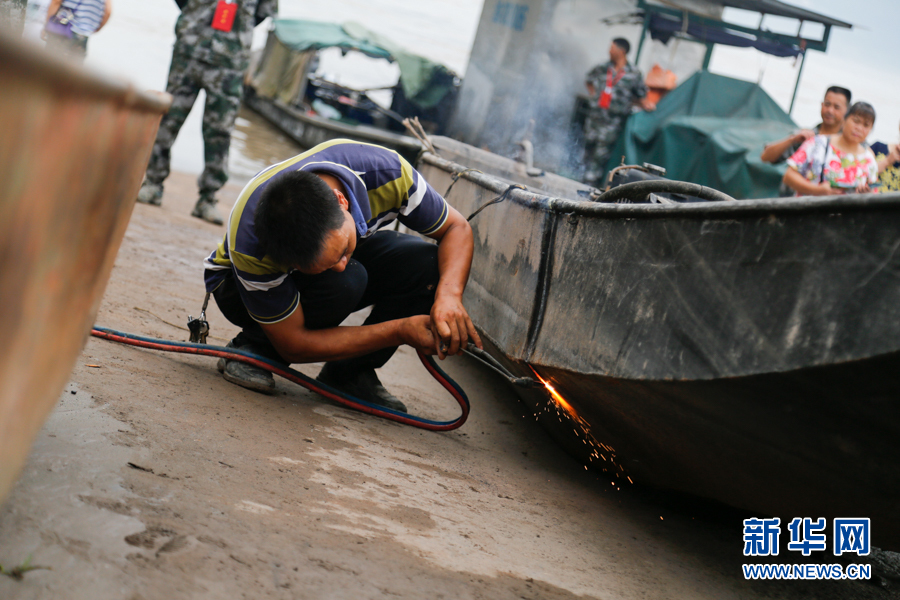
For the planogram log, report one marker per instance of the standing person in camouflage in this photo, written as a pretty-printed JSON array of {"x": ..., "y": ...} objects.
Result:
[
  {"x": 212, "y": 51},
  {"x": 614, "y": 88}
]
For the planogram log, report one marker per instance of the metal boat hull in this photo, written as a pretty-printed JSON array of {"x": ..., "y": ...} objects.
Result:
[
  {"x": 742, "y": 351},
  {"x": 73, "y": 149}
]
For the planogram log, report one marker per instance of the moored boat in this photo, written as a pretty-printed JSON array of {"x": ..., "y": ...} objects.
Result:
[
  {"x": 745, "y": 351},
  {"x": 73, "y": 149},
  {"x": 309, "y": 129},
  {"x": 288, "y": 85}
]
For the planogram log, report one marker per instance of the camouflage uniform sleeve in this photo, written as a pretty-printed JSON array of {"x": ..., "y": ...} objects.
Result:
[
  {"x": 266, "y": 8},
  {"x": 597, "y": 78},
  {"x": 640, "y": 87},
  {"x": 594, "y": 75}
]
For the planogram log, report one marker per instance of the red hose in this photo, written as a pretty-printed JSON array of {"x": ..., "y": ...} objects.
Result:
[{"x": 303, "y": 380}]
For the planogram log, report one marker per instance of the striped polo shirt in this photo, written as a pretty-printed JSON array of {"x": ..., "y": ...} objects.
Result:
[
  {"x": 88, "y": 15},
  {"x": 381, "y": 186}
]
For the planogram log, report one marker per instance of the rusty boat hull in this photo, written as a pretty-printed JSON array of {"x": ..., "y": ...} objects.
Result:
[
  {"x": 744, "y": 351},
  {"x": 73, "y": 150}
]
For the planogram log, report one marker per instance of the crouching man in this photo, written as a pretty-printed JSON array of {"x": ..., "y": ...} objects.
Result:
[{"x": 306, "y": 246}]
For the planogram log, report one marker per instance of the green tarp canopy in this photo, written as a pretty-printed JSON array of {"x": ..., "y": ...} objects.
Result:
[
  {"x": 424, "y": 82},
  {"x": 710, "y": 130}
]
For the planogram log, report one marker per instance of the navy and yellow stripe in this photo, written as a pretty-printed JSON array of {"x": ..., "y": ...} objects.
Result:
[{"x": 382, "y": 187}]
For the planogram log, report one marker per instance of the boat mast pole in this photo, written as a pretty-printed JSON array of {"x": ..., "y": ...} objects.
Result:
[
  {"x": 637, "y": 57},
  {"x": 800, "y": 70},
  {"x": 708, "y": 56},
  {"x": 797, "y": 84}
]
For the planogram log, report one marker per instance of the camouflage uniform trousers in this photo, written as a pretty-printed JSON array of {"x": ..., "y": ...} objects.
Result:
[
  {"x": 601, "y": 131},
  {"x": 223, "y": 99}
]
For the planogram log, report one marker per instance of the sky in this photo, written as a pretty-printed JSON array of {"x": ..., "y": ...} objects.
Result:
[
  {"x": 862, "y": 59},
  {"x": 874, "y": 32},
  {"x": 136, "y": 45}
]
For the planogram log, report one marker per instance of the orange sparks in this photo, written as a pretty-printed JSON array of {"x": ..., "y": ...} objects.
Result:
[
  {"x": 557, "y": 397},
  {"x": 588, "y": 438}
]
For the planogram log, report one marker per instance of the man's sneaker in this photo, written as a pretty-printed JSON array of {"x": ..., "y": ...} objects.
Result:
[
  {"x": 206, "y": 210},
  {"x": 150, "y": 193},
  {"x": 244, "y": 375},
  {"x": 360, "y": 384}
]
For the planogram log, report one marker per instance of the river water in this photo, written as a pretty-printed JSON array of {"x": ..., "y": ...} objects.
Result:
[
  {"x": 137, "y": 42},
  {"x": 136, "y": 45}
]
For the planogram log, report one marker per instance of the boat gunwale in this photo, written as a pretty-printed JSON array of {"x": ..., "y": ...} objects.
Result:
[
  {"x": 801, "y": 204},
  {"x": 381, "y": 136},
  {"x": 60, "y": 73}
]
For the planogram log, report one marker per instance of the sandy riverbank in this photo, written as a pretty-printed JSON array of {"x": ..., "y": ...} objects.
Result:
[{"x": 154, "y": 478}]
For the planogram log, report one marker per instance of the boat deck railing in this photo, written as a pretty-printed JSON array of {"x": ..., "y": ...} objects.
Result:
[{"x": 801, "y": 204}]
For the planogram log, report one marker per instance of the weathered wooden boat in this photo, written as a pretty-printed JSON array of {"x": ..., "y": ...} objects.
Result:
[
  {"x": 284, "y": 87},
  {"x": 745, "y": 351},
  {"x": 73, "y": 149},
  {"x": 309, "y": 129}
]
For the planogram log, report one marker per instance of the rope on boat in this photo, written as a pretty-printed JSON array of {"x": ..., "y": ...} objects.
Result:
[
  {"x": 638, "y": 190},
  {"x": 299, "y": 378},
  {"x": 455, "y": 177},
  {"x": 418, "y": 132},
  {"x": 497, "y": 200}
]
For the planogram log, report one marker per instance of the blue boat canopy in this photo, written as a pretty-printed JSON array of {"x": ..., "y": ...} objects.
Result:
[{"x": 662, "y": 27}]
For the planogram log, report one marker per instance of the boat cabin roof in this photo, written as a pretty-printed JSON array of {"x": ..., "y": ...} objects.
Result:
[{"x": 781, "y": 9}]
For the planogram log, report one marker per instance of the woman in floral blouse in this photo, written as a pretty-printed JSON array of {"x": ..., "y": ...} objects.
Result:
[{"x": 836, "y": 164}]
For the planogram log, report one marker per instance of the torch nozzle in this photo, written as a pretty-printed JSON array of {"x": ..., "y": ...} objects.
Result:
[{"x": 490, "y": 361}]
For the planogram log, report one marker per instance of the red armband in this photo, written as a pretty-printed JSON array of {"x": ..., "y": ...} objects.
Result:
[{"x": 224, "y": 17}]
